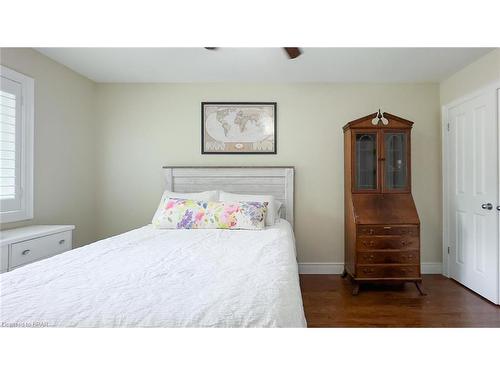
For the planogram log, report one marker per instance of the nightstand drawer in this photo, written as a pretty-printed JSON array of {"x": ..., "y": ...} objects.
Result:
[
  {"x": 388, "y": 257},
  {"x": 38, "y": 248},
  {"x": 4, "y": 258}
]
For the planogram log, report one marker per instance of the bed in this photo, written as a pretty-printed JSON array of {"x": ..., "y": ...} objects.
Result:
[{"x": 171, "y": 278}]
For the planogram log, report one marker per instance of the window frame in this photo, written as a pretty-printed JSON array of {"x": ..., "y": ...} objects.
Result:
[{"x": 27, "y": 146}]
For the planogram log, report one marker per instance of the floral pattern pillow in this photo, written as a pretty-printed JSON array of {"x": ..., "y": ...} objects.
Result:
[{"x": 192, "y": 214}]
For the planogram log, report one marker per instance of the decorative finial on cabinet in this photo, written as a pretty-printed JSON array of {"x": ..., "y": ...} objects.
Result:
[{"x": 379, "y": 118}]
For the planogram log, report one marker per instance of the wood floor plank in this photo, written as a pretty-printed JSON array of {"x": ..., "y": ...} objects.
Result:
[{"x": 328, "y": 302}]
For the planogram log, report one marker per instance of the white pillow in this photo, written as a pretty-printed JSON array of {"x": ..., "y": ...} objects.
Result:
[
  {"x": 273, "y": 207},
  {"x": 206, "y": 196},
  {"x": 278, "y": 206}
]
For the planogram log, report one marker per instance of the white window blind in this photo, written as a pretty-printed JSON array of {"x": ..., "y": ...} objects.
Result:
[
  {"x": 16, "y": 145},
  {"x": 10, "y": 120}
]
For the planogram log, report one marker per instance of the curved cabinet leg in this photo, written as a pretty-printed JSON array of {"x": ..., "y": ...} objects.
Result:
[
  {"x": 418, "y": 284},
  {"x": 355, "y": 289},
  {"x": 343, "y": 274}
]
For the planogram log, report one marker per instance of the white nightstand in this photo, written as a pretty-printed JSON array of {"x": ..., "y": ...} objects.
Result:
[{"x": 24, "y": 245}]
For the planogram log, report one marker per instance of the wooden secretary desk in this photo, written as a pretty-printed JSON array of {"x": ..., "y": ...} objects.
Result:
[{"x": 382, "y": 228}]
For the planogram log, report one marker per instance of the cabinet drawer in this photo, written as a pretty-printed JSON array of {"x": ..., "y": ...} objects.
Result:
[
  {"x": 380, "y": 230},
  {"x": 4, "y": 258},
  {"x": 388, "y": 257},
  {"x": 376, "y": 271},
  {"x": 38, "y": 248},
  {"x": 387, "y": 242}
]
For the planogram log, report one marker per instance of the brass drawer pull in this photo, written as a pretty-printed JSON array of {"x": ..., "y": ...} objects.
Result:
[{"x": 26, "y": 252}]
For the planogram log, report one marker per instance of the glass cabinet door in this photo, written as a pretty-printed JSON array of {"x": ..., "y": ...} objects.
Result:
[
  {"x": 395, "y": 165},
  {"x": 365, "y": 161}
]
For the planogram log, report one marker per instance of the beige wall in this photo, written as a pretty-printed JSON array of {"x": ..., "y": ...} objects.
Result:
[
  {"x": 64, "y": 176},
  {"x": 99, "y": 148},
  {"x": 145, "y": 126},
  {"x": 474, "y": 76}
]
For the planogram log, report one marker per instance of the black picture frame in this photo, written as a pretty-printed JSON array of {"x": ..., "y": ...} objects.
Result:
[{"x": 205, "y": 152}]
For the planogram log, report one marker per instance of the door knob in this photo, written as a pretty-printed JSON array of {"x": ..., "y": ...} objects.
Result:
[
  {"x": 498, "y": 208},
  {"x": 487, "y": 206}
]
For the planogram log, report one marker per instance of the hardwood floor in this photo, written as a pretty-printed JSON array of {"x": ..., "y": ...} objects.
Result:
[{"x": 328, "y": 303}]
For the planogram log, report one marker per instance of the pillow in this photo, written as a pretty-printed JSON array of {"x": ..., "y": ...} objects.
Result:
[
  {"x": 211, "y": 195},
  {"x": 272, "y": 211},
  {"x": 278, "y": 205},
  {"x": 192, "y": 214}
]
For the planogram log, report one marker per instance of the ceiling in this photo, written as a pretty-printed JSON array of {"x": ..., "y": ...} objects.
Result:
[{"x": 265, "y": 64}]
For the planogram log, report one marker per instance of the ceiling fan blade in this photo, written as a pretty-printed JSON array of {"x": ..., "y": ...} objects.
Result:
[{"x": 293, "y": 52}]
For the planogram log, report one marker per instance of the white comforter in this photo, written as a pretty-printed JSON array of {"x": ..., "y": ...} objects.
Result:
[{"x": 162, "y": 278}]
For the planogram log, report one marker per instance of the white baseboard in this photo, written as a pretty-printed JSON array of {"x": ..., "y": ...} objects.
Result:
[
  {"x": 435, "y": 268},
  {"x": 321, "y": 268},
  {"x": 337, "y": 268}
]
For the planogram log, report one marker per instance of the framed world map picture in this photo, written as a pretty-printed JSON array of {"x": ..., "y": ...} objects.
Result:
[{"x": 238, "y": 128}]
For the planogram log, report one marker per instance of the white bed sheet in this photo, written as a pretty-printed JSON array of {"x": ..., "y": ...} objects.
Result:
[{"x": 162, "y": 278}]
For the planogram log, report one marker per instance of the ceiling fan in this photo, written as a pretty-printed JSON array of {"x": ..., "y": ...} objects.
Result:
[{"x": 292, "y": 52}]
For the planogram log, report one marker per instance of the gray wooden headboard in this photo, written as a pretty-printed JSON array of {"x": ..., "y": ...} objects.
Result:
[{"x": 275, "y": 181}]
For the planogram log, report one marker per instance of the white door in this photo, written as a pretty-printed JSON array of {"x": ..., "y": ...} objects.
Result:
[{"x": 473, "y": 167}]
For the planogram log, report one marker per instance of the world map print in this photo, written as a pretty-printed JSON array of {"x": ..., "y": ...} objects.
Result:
[{"x": 243, "y": 128}]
